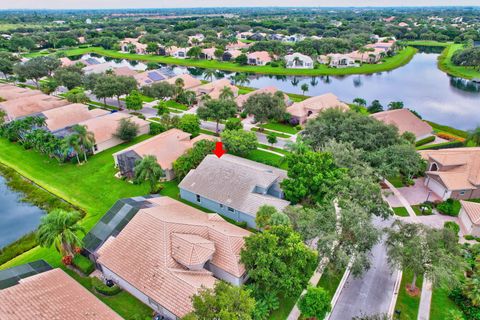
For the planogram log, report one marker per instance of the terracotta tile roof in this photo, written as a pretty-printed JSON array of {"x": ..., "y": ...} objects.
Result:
[
  {"x": 125, "y": 71},
  {"x": 405, "y": 121},
  {"x": 104, "y": 127},
  {"x": 52, "y": 295},
  {"x": 270, "y": 89},
  {"x": 231, "y": 180},
  {"x": 190, "y": 82},
  {"x": 66, "y": 62},
  {"x": 238, "y": 45},
  {"x": 460, "y": 167},
  {"x": 10, "y": 92},
  {"x": 234, "y": 53},
  {"x": 31, "y": 105},
  {"x": 144, "y": 252},
  {"x": 69, "y": 115},
  {"x": 260, "y": 55},
  {"x": 315, "y": 105},
  {"x": 166, "y": 147},
  {"x": 214, "y": 88},
  {"x": 472, "y": 209}
]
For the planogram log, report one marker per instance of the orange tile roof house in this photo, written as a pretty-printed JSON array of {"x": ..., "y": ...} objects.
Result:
[
  {"x": 10, "y": 92},
  {"x": 214, "y": 88},
  {"x": 35, "y": 291},
  {"x": 189, "y": 81},
  {"x": 470, "y": 217},
  {"x": 167, "y": 251},
  {"x": 234, "y": 187},
  {"x": 311, "y": 107},
  {"x": 140, "y": 48},
  {"x": 259, "y": 58},
  {"x": 453, "y": 173},
  {"x": 405, "y": 121},
  {"x": 149, "y": 77},
  {"x": 105, "y": 127},
  {"x": 241, "y": 99},
  {"x": 70, "y": 115},
  {"x": 166, "y": 147},
  {"x": 30, "y": 105}
]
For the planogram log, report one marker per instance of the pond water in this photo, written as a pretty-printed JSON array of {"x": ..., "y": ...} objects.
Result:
[
  {"x": 419, "y": 84},
  {"x": 17, "y": 218}
]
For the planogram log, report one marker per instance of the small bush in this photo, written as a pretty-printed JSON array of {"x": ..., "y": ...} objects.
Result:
[
  {"x": 424, "y": 141},
  {"x": 452, "y": 226},
  {"x": 298, "y": 127},
  {"x": 156, "y": 128},
  {"x": 83, "y": 264},
  {"x": 450, "y": 207},
  {"x": 102, "y": 288},
  {"x": 274, "y": 64},
  {"x": 449, "y": 137},
  {"x": 469, "y": 237},
  {"x": 243, "y": 115},
  {"x": 445, "y": 145}
]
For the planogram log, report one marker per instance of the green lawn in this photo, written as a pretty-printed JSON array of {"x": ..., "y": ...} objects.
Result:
[
  {"x": 91, "y": 187},
  {"x": 445, "y": 63},
  {"x": 268, "y": 158},
  {"x": 401, "y": 211},
  {"x": 441, "y": 305},
  {"x": 396, "y": 181},
  {"x": 286, "y": 306},
  {"x": 123, "y": 303},
  {"x": 400, "y": 59},
  {"x": 272, "y": 125},
  {"x": 428, "y": 43},
  {"x": 406, "y": 304},
  {"x": 175, "y": 105},
  {"x": 266, "y": 131},
  {"x": 330, "y": 280}
]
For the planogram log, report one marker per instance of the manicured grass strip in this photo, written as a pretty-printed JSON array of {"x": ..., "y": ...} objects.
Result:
[
  {"x": 398, "y": 60},
  {"x": 446, "y": 65},
  {"x": 101, "y": 105},
  {"x": 401, "y": 211},
  {"x": 91, "y": 187},
  {"x": 280, "y": 127},
  {"x": 441, "y": 128},
  {"x": 406, "y": 304},
  {"x": 268, "y": 158},
  {"x": 176, "y": 105},
  {"x": 286, "y": 306},
  {"x": 264, "y": 146},
  {"x": 265, "y": 131},
  {"x": 397, "y": 181},
  {"x": 330, "y": 280},
  {"x": 441, "y": 305},
  {"x": 126, "y": 305},
  {"x": 428, "y": 43}
]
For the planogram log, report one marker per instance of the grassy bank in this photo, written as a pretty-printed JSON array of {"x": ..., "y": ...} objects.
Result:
[
  {"x": 446, "y": 65},
  {"x": 406, "y": 304},
  {"x": 400, "y": 59},
  {"x": 441, "y": 305}
]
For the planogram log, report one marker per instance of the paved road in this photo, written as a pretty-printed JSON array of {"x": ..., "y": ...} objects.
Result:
[{"x": 372, "y": 292}]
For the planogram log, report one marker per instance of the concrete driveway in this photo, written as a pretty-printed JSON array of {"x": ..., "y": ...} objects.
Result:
[
  {"x": 415, "y": 194},
  {"x": 373, "y": 291}
]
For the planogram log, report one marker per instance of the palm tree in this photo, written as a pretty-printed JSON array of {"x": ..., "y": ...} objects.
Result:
[
  {"x": 314, "y": 81},
  {"x": 148, "y": 169},
  {"x": 297, "y": 62},
  {"x": 86, "y": 139},
  {"x": 209, "y": 74},
  {"x": 304, "y": 88},
  {"x": 241, "y": 79},
  {"x": 295, "y": 81},
  {"x": 72, "y": 142},
  {"x": 472, "y": 289},
  {"x": 60, "y": 228},
  {"x": 226, "y": 94}
]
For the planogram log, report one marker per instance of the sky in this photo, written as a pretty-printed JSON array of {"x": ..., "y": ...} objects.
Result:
[{"x": 102, "y": 4}]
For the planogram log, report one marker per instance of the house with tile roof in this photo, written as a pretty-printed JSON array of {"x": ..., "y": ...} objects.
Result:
[
  {"x": 149, "y": 77},
  {"x": 208, "y": 53},
  {"x": 470, "y": 217},
  {"x": 231, "y": 55},
  {"x": 453, "y": 173},
  {"x": 166, "y": 147},
  {"x": 105, "y": 127},
  {"x": 133, "y": 43},
  {"x": 189, "y": 82},
  {"x": 234, "y": 187},
  {"x": 298, "y": 61},
  {"x": 167, "y": 251},
  {"x": 311, "y": 107},
  {"x": 241, "y": 99},
  {"x": 69, "y": 115},
  {"x": 36, "y": 291},
  {"x": 30, "y": 105},
  {"x": 405, "y": 121},
  {"x": 215, "y": 88},
  {"x": 11, "y": 92},
  {"x": 259, "y": 58}
]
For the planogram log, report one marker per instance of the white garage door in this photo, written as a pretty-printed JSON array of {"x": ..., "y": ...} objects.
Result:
[{"x": 436, "y": 187}]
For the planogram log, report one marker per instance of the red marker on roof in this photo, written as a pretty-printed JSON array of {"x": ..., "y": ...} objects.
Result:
[{"x": 218, "y": 151}]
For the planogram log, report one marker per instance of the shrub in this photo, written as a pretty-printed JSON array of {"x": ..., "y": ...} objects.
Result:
[
  {"x": 450, "y": 207},
  {"x": 274, "y": 64},
  {"x": 156, "y": 128},
  {"x": 243, "y": 115},
  {"x": 449, "y": 137},
  {"x": 233, "y": 124},
  {"x": 298, "y": 127},
  {"x": 102, "y": 288},
  {"x": 18, "y": 247},
  {"x": 469, "y": 237},
  {"x": 452, "y": 226},
  {"x": 424, "y": 141},
  {"x": 127, "y": 130},
  {"x": 83, "y": 264},
  {"x": 445, "y": 145}
]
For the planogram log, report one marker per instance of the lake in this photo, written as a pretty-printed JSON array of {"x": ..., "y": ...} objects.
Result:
[
  {"x": 419, "y": 84},
  {"x": 17, "y": 218}
]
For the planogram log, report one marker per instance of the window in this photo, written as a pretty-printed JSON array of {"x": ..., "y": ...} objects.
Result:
[
  {"x": 462, "y": 192},
  {"x": 198, "y": 198},
  {"x": 95, "y": 147},
  {"x": 231, "y": 209}
]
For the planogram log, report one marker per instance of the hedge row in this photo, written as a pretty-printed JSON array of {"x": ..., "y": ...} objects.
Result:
[
  {"x": 444, "y": 145},
  {"x": 83, "y": 264},
  {"x": 102, "y": 288},
  {"x": 424, "y": 141}
]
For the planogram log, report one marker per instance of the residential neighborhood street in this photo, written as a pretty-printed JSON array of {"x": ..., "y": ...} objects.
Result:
[{"x": 372, "y": 292}]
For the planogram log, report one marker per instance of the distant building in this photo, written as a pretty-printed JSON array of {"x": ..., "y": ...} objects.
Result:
[
  {"x": 311, "y": 107},
  {"x": 189, "y": 82},
  {"x": 298, "y": 61},
  {"x": 88, "y": 21},
  {"x": 127, "y": 44},
  {"x": 241, "y": 99},
  {"x": 405, "y": 121},
  {"x": 214, "y": 89},
  {"x": 339, "y": 60},
  {"x": 69, "y": 115},
  {"x": 259, "y": 58}
]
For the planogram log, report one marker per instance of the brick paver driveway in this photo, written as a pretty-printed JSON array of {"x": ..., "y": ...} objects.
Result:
[{"x": 415, "y": 194}]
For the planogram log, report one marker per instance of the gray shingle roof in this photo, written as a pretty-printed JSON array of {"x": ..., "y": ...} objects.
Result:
[{"x": 231, "y": 181}]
